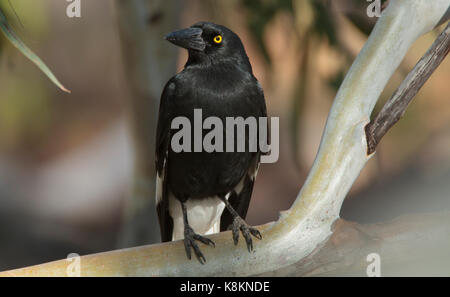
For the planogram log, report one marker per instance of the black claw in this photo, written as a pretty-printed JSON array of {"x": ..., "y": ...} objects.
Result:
[
  {"x": 248, "y": 240},
  {"x": 204, "y": 240},
  {"x": 256, "y": 233},
  {"x": 199, "y": 254},
  {"x": 235, "y": 236},
  {"x": 235, "y": 230},
  {"x": 239, "y": 225},
  {"x": 189, "y": 241},
  {"x": 187, "y": 247}
]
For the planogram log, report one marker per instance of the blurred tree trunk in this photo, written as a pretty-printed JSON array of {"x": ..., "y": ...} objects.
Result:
[{"x": 149, "y": 62}]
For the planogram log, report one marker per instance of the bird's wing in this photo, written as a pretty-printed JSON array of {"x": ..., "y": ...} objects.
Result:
[
  {"x": 240, "y": 200},
  {"x": 162, "y": 152}
]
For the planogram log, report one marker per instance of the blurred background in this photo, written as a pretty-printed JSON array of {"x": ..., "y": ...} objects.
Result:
[{"x": 66, "y": 160}]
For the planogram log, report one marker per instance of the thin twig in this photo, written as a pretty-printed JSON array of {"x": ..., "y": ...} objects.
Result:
[{"x": 396, "y": 106}]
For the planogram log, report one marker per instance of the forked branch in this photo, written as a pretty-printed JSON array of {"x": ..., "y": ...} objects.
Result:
[{"x": 396, "y": 106}]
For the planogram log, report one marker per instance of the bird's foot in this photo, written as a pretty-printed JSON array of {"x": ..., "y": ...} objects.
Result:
[
  {"x": 189, "y": 242},
  {"x": 240, "y": 225}
]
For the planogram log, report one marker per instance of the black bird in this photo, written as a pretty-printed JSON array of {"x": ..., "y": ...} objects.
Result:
[{"x": 201, "y": 192}]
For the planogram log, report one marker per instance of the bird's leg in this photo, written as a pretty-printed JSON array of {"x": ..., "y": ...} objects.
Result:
[
  {"x": 240, "y": 225},
  {"x": 190, "y": 237}
]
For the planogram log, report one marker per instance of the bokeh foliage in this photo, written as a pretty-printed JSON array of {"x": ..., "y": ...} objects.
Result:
[{"x": 25, "y": 104}]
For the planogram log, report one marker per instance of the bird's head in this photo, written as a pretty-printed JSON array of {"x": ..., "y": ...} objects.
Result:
[{"x": 209, "y": 42}]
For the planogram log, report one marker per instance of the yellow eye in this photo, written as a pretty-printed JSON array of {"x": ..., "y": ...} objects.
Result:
[{"x": 218, "y": 39}]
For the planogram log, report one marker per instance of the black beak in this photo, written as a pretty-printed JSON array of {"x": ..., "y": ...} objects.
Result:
[{"x": 190, "y": 38}]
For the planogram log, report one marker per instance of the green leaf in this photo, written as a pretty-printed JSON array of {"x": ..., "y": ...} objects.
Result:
[{"x": 15, "y": 40}]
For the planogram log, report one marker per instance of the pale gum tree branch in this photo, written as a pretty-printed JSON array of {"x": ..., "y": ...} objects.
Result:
[
  {"x": 307, "y": 225},
  {"x": 413, "y": 239}
]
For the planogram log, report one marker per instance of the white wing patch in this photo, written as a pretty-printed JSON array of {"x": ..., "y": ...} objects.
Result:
[{"x": 160, "y": 184}]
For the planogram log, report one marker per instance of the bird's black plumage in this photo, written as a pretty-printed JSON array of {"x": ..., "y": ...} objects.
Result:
[{"x": 217, "y": 79}]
